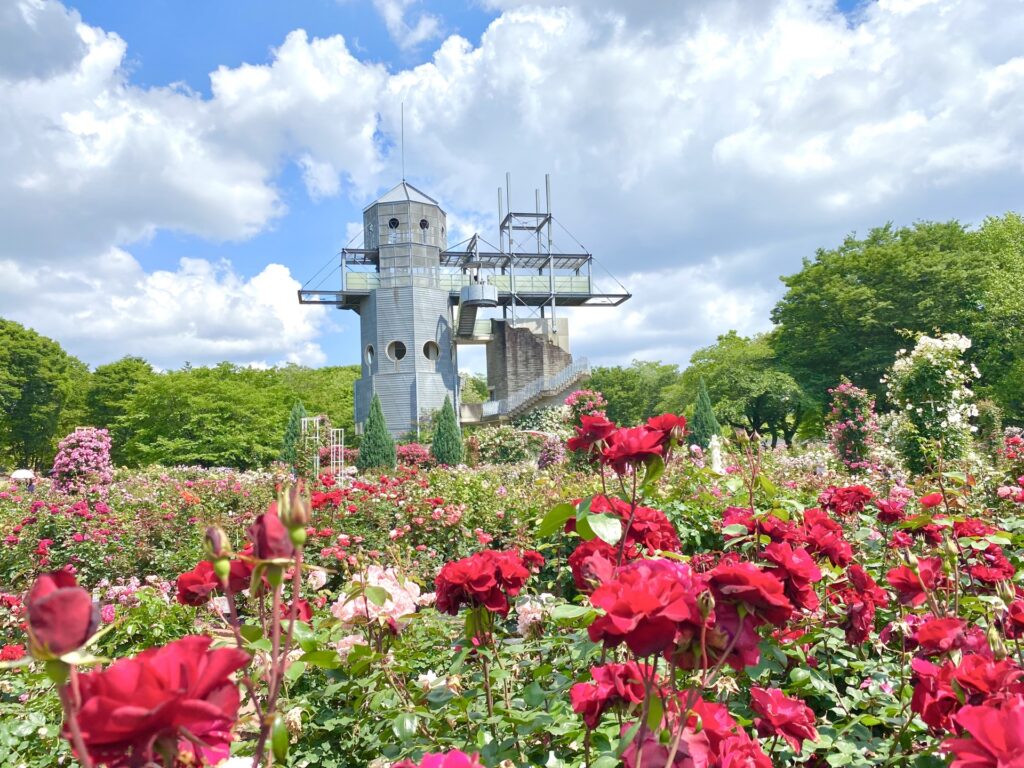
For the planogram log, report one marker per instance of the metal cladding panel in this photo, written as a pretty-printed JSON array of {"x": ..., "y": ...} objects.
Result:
[
  {"x": 396, "y": 395},
  {"x": 377, "y": 230}
]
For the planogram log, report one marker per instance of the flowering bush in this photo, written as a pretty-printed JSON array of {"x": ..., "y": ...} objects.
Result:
[
  {"x": 82, "y": 463},
  {"x": 585, "y": 402},
  {"x": 851, "y": 425},
  {"x": 414, "y": 454},
  {"x": 929, "y": 387}
]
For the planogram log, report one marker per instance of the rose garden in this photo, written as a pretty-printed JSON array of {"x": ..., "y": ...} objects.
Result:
[{"x": 639, "y": 596}]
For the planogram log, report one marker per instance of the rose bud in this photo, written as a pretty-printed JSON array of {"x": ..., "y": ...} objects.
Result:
[
  {"x": 995, "y": 642},
  {"x": 294, "y": 507},
  {"x": 270, "y": 538},
  {"x": 61, "y": 615},
  {"x": 216, "y": 544}
]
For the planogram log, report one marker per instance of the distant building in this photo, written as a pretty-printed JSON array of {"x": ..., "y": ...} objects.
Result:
[{"x": 418, "y": 301}]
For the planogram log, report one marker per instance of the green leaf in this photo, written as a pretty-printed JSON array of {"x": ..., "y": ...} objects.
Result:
[
  {"x": 326, "y": 659},
  {"x": 654, "y": 468},
  {"x": 304, "y": 636},
  {"x": 655, "y": 711},
  {"x": 251, "y": 632},
  {"x": 376, "y": 595},
  {"x": 606, "y": 528},
  {"x": 404, "y": 726},
  {"x": 279, "y": 739},
  {"x": 573, "y": 615},
  {"x": 736, "y": 529},
  {"x": 555, "y": 519}
]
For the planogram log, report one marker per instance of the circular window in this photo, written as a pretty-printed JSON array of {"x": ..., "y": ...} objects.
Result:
[
  {"x": 424, "y": 223},
  {"x": 393, "y": 223},
  {"x": 369, "y": 354},
  {"x": 396, "y": 350},
  {"x": 431, "y": 351}
]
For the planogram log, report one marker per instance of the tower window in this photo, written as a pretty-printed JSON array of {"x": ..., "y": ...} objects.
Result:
[
  {"x": 396, "y": 350},
  {"x": 393, "y": 223},
  {"x": 369, "y": 354},
  {"x": 424, "y": 223},
  {"x": 431, "y": 351}
]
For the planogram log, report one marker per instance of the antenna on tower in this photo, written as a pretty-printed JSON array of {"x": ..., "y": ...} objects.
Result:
[{"x": 403, "y": 141}]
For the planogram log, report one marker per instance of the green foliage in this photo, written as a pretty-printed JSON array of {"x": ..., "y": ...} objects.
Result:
[
  {"x": 847, "y": 311},
  {"x": 111, "y": 387},
  {"x": 990, "y": 425},
  {"x": 473, "y": 389},
  {"x": 292, "y": 435},
  {"x": 635, "y": 392},
  {"x": 704, "y": 425},
  {"x": 749, "y": 390},
  {"x": 41, "y": 386},
  {"x": 447, "y": 445},
  {"x": 503, "y": 445},
  {"x": 377, "y": 449}
]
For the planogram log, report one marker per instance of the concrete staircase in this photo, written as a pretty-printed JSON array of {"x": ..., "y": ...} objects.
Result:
[{"x": 551, "y": 387}]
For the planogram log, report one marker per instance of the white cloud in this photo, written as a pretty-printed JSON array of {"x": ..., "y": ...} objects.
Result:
[
  {"x": 406, "y": 35},
  {"x": 702, "y": 148}
]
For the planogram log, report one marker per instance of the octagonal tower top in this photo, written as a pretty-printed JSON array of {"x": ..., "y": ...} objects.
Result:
[{"x": 404, "y": 216}]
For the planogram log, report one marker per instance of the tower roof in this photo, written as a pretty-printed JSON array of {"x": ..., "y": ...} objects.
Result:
[{"x": 404, "y": 192}]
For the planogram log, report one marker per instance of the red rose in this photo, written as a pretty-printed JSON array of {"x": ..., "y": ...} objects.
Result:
[
  {"x": 993, "y": 566},
  {"x": 858, "y": 616},
  {"x": 782, "y": 716},
  {"x": 303, "y": 611},
  {"x": 61, "y": 615},
  {"x": 912, "y": 585},
  {"x": 646, "y": 751},
  {"x": 651, "y": 605},
  {"x": 890, "y": 512},
  {"x": 939, "y": 692},
  {"x": 759, "y": 591},
  {"x": 936, "y": 636},
  {"x": 628, "y": 447},
  {"x": 592, "y": 433},
  {"x": 798, "y": 573},
  {"x": 485, "y": 579},
  {"x": 824, "y": 536},
  {"x": 270, "y": 538},
  {"x": 931, "y": 500},
  {"x": 997, "y": 736},
  {"x": 649, "y": 527},
  {"x": 671, "y": 427},
  {"x": 866, "y": 586},
  {"x": 178, "y": 699},
  {"x": 741, "y": 751},
  {"x": 844, "y": 501},
  {"x": 196, "y": 586},
  {"x": 612, "y": 684},
  {"x": 593, "y": 562}
]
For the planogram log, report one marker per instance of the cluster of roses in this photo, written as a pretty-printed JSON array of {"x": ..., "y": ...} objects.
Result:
[
  {"x": 82, "y": 463},
  {"x": 624, "y": 448},
  {"x": 176, "y": 700},
  {"x": 851, "y": 425},
  {"x": 486, "y": 579}
]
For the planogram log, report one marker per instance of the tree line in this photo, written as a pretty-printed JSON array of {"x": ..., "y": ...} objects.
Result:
[
  {"x": 845, "y": 313},
  {"x": 224, "y": 415}
]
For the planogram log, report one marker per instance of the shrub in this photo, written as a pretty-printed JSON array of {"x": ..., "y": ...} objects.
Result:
[
  {"x": 447, "y": 445},
  {"x": 377, "y": 450},
  {"x": 82, "y": 464},
  {"x": 704, "y": 425},
  {"x": 292, "y": 435},
  {"x": 413, "y": 455},
  {"x": 852, "y": 425}
]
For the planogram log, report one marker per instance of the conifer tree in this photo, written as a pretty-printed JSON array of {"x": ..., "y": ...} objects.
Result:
[
  {"x": 704, "y": 425},
  {"x": 447, "y": 445},
  {"x": 377, "y": 449},
  {"x": 292, "y": 434}
]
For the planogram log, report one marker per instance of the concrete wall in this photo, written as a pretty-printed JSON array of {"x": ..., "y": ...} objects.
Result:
[{"x": 517, "y": 357}]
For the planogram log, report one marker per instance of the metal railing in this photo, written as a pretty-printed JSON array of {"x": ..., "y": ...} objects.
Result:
[
  {"x": 366, "y": 281},
  {"x": 545, "y": 385}
]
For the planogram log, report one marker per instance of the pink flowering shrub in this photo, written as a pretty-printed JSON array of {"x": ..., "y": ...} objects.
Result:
[
  {"x": 414, "y": 455},
  {"x": 82, "y": 464},
  {"x": 585, "y": 402},
  {"x": 852, "y": 425}
]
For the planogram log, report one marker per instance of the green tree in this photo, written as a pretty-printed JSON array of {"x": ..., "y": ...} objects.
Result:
[
  {"x": 749, "y": 390},
  {"x": 447, "y": 445},
  {"x": 704, "y": 425},
  {"x": 850, "y": 309},
  {"x": 474, "y": 388},
  {"x": 292, "y": 434},
  {"x": 111, "y": 387},
  {"x": 377, "y": 449},
  {"x": 634, "y": 393},
  {"x": 40, "y": 384}
]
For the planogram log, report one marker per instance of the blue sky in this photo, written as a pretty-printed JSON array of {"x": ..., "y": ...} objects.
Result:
[{"x": 700, "y": 149}]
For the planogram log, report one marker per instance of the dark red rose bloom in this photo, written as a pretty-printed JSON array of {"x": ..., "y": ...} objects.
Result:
[
  {"x": 911, "y": 584},
  {"x": 940, "y": 691},
  {"x": 628, "y": 447},
  {"x": 646, "y": 751},
  {"x": 304, "y": 611},
  {"x": 936, "y": 636},
  {"x": 240, "y": 577},
  {"x": 845, "y": 501},
  {"x": 671, "y": 427},
  {"x": 866, "y": 586},
  {"x": 768, "y": 525},
  {"x": 195, "y": 587},
  {"x": 759, "y": 591},
  {"x": 972, "y": 527},
  {"x": 993, "y": 566},
  {"x": 996, "y": 736},
  {"x": 782, "y": 716},
  {"x": 824, "y": 536},
  {"x": 858, "y": 616},
  {"x": 613, "y": 684},
  {"x": 728, "y": 632},
  {"x": 649, "y": 528},
  {"x": 178, "y": 698},
  {"x": 797, "y": 571},
  {"x": 1013, "y": 622},
  {"x": 715, "y": 721},
  {"x": 593, "y": 562},
  {"x": 931, "y": 500},
  {"x": 533, "y": 560},
  {"x": 741, "y": 751},
  {"x": 890, "y": 512},
  {"x": 651, "y": 605},
  {"x": 270, "y": 538},
  {"x": 487, "y": 579},
  {"x": 61, "y": 615},
  {"x": 592, "y": 433}
]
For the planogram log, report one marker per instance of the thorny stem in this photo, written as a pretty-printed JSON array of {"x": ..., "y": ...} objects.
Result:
[
  {"x": 275, "y": 670},
  {"x": 240, "y": 642},
  {"x": 66, "y": 700}
]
